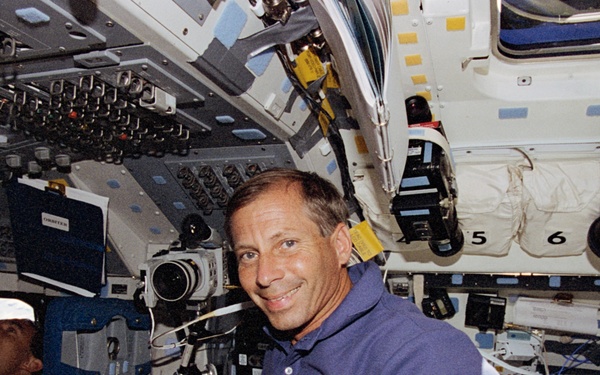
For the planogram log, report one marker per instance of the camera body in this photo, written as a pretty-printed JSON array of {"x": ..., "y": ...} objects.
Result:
[
  {"x": 193, "y": 271},
  {"x": 184, "y": 275},
  {"x": 424, "y": 205}
]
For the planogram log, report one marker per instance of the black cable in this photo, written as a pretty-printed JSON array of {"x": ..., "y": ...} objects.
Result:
[{"x": 333, "y": 136}]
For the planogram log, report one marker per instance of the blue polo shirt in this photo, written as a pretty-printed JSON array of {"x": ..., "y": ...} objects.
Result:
[{"x": 375, "y": 332}]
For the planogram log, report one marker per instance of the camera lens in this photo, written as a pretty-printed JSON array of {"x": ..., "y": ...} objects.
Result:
[
  {"x": 417, "y": 110},
  {"x": 448, "y": 246},
  {"x": 175, "y": 280}
]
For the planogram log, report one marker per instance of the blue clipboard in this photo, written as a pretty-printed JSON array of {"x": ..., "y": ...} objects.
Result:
[{"x": 59, "y": 234}]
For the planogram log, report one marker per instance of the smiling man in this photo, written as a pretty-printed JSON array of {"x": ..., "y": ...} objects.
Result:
[{"x": 289, "y": 234}]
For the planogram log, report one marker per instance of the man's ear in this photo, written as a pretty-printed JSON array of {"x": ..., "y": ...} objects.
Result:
[
  {"x": 342, "y": 242},
  {"x": 32, "y": 365}
]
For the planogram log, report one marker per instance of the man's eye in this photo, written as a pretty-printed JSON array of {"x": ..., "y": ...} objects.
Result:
[
  {"x": 289, "y": 243},
  {"x": 247, "y": 256}
]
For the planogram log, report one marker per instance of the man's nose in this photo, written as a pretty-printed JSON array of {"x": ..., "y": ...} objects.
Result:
[{"x": 270, "y": 269}]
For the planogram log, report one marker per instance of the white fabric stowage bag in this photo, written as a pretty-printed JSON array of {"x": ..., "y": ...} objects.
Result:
[
  {"x": 560, "y": 202},
  {"x": 489, "y": 207}
]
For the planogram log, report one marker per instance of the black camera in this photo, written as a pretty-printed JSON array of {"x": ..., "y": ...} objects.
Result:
[{"x": 424, "y": 205}]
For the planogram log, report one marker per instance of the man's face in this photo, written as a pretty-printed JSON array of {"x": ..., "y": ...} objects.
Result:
[
  {"x": 15, "y": 342},
  {"x": 292, "y": 273}
]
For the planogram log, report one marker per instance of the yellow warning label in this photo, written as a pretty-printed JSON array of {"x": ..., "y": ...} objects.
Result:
[
  {"x": 323, "y": 119},
  {"x": 331, "y": 81},
  {"x": 365, "y": 241},
  {"x": 308, "y": 67}
]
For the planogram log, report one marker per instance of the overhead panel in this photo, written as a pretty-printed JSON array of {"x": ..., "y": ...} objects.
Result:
[{"x": 35, "y": 29}]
